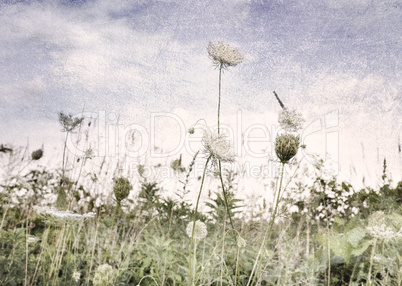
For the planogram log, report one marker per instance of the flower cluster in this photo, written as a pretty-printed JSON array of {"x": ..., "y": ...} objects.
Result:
[
  {"x": 224, "y": 54},
  {"x": 104, "y": 275},
  {"x": 76, "y": 276},
  {"x": 217, "y": 147},
  {"x": 200, "y": 230},
  {"x": 378, "y": 228},
  {"x": 59, "y": 215},
  {"x": 290, "y": 120}
]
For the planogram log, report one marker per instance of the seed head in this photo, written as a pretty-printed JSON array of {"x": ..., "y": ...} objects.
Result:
[
  {"x": 36, "y": 155},
  {"x": 68, "y": 122},
  {"x": 122, "y": 188},
  {"x": 200, "y": 230},
  {"x": 286, "y": 147},
  {"x": 241, "y": 242},
  {"x": 224, "y": 54}
]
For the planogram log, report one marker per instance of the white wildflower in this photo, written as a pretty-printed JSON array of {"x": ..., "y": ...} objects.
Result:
[
  {"x": 378, "y": 228},
  {"x": 104, "y": 275},
  {"x": 224, "y": 54},
  {"x": 200, "y": 230},
  {"x": 32, "y": 239},
  {"x": 76, "y": 276},
  {"x": 355, "y": 210},
  {"x": 62, "y": 215},
  {"x": 217, "y": 147},
  {"x": 290, "y": 120}
]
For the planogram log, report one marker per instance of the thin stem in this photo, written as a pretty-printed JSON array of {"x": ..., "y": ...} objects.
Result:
[
  {"x": 257, "y": 264},
  {"x": 371, "y": 261},
  {"x": 225, "y": 195},
  {"x": 64, "y": 154},
  {"x": 195, "y": 217},
  {"x": 220, "y": 87}
]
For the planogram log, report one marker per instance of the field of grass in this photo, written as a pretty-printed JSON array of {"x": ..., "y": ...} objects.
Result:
[{"x": 57, "y": 230}]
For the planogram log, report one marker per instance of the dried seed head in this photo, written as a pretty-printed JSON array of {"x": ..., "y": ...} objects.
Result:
[
  {"x": 286, "y": 146},
  {"x": 200, "y": 230},
  {"x": 121, "y": 189}
]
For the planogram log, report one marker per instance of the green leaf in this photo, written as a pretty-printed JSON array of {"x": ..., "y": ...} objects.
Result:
[
  {"x": 359, "y": 251},
  {"x": 341, "y": 247},
  {"x": 355, "y": 236}
]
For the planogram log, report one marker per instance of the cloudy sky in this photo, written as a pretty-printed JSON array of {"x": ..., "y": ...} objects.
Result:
[{"x": 338, "y": 60}]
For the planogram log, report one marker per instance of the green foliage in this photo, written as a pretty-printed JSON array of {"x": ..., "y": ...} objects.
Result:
[
  {"x": 176, "y": 165},
  {"x": 121, "y": 189}
]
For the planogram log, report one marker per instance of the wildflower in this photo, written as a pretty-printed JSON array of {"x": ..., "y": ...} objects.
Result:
[
  {"x": 104, "y": 275},
  {"x": 378, "y": 228},
  {"x": 89, "y": 154},
  {"x": 286, "y": 147},
  {"x": 217, "y": 147},
  {"x": 290, "y": 120},
  {"x": 61, "y": 215},
  {"x": 200, "y": 230},
  {"x": 32, "y": 239},
  {"x": 76, "y": 276},
  {"x": 224, "y": 54}
]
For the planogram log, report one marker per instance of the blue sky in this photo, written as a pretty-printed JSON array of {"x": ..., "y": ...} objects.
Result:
[{"x": 137, "y": 57}]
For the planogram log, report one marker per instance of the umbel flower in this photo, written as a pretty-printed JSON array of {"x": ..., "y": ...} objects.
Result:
[
  {"x": 378, "y": 228},
  {"x": 217, "y": 147},
  {"x": 290, "y": 120},
  {"x": 224, "y": 54},
  {"x": 286, "y": 146},
  {"x": 62, "y": 216},
  {"x": 76, "y": 276},
  {"x": 104, "y": 275},
  {"x": 200, "y": 230}
]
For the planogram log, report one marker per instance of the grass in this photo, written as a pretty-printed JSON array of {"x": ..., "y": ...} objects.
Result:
[{"x": 336, "y": 235}]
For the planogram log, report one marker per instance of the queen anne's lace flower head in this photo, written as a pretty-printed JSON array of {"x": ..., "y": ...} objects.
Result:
[
  {"x": 76, "y": 276},
  {"x": 200, "y": 230},
  {"x": 217, "y": 147},
  {"x": 378, "y": 228},
  {"x": 60, "y": 215},
  {"x": 290, "y": 120},
  {"x": 104, "y": 275},
  {"x": 224, "y": 54}
]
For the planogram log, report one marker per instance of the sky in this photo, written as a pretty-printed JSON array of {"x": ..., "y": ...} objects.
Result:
[{"x": 123, "y": 64}]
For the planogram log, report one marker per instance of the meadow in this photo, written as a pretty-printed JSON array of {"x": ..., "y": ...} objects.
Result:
[{"x": 55, "y": 230}]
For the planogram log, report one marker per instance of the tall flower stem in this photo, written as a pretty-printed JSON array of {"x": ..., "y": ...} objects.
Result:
[
  {"x": 192, "y": 275},
  {"x": 258, "y": 261},
  {"x": 219, "y": 162},
  {"x": 64, "y": 154},
  {"x": 220, "y": 88},
  {"x": 371, "y": 262}
]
